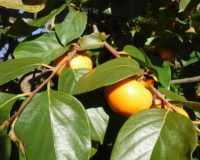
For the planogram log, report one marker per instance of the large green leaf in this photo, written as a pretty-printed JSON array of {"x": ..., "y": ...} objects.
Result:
[
  {"x": 98, "y": 123},
  {"x": 11, "y": 69},
  {"x": 72, "y": 26},
  {"x": 155, "y": 135},
  {"x": 44, "y": 16},
  {"x": 45, "y": 46},
  {"x": 92, "y": 41},
  {"x": 29, "y": 6},
  {"x": 69, "y": 78},
  {"x": 6, "y": 103},
  {"x": 107, "y": 73},
  {"x": 54, "y": 125}
]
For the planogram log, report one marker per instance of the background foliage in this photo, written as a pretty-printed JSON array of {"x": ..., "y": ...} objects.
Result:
[{"x": 69, "y": 118}]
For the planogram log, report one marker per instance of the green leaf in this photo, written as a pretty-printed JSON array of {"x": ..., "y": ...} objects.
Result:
[
  {"x": 11, "y": 69},
  {"x": 194, "y": 57},
  {"x": 134, "y": 52},
  {"x": 98, "y": 123},
  {"x": 6, "y": 103},
  {"x": 92, "y": 41},
  {"x": 164, "y": 75},
  {"x": 5, "y": 144},
  {"x": 155, "y": 134},
  {"x": 54, "y": 125},
  {"x": 42, "y": 19},
  {"x": 190, "y": 104},
  {"x": 69, "y": 78},
  {"x": 171, "y": 95},
  {"x": 175, "y": 98},
  {"x": 29, "y": 6},
  {"x": 45, "y": 46},
  {"x": 183, "y": 4},
  {"x": 72, "y": 26},
  {"x": 108, "y": 73}
]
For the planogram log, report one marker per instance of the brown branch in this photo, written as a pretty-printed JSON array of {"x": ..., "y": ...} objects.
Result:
[
  {"x": 33, "y": 93},
  {"x": 106, "y": 44},
  {"x": 111, "y": 49},
  {"x": 186, "y": 80},
  {"x": 161, "y": 97}
]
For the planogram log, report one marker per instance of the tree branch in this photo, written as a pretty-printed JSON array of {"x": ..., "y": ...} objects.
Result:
[
  {"x": 106, "y": 44},
  {"x": 33, "y": 93},
  {"x": 162, "y": 98},
  {"x": 186, "y": 80}
]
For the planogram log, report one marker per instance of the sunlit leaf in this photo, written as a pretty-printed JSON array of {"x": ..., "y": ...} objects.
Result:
[
  {"x": 107, "y": 73},
  {"x": 155, "y": 134},
  {"x": 72, "y": 26},
  {"x": 11, "y": 69},
  {"x": 54, "y": 125}
]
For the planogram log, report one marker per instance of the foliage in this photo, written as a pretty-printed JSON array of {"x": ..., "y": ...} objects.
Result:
[{"x": 67, "y": 117}]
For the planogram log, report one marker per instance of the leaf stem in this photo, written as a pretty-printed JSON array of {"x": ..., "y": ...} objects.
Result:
[{"x": 33, "y": 93}]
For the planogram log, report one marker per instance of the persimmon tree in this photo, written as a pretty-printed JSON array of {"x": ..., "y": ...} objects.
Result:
[{"x": 46, "y": 116}]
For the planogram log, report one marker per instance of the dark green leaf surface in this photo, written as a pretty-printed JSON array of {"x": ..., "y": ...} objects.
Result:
[
  {"x": 155, "y": 135},
  {"x": 45, "y": 47},
  {"x": 180, "y": 99},
  {"x": 72, "y": 26},
  {"x": 92, "y": 41},
  {"x": 11, "y": 69},
  {"x": 54, "y": 125},
  {"x": 108, "y": 73},
  {"x": 6, "y": 102},
  {"x": 136, "y": 53},
  {"x": 164, "y": 75},
  {"x": 69, "y": 79},
  {"x": 42, "y": 20},
  {"x": 171, "y": 95},
  {"x": 98, "y": 123}
]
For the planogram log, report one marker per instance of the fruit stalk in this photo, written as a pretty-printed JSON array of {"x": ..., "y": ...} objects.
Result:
[{"x": 33, "y": 93}]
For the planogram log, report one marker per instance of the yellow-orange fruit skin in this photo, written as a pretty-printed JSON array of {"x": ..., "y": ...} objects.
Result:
[
  {"x": 182, "y": 111},
  {"x": 82, "y": 60},
  {"x": 128, "y": 97}
]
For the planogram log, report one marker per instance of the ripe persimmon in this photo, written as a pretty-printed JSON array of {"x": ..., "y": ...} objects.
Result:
[
  {"x": 82, "y": 60},
  {"x": 166, "y": 53},
  {"x": 128, "y": 97}
]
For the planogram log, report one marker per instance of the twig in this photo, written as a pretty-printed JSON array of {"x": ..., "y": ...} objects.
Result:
[
  {"x": 161, "y": 97},
  {"x": 111, "y": 49},
  {"x": 198, "y": 130},
  {"x": 54, "y": 71},
  {"x": 196, "y": 122},
  {"x": 186, "y": 80},
  {"x": 106, "y": 44}
]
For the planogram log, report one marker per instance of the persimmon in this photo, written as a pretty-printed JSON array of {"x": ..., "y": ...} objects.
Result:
[
  {"x": 128, "y": 97},
  {"x": 165, "y": 53},
  {"x": 182, "y": 111},
  {"x": 82, "y": 60}
]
